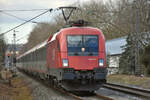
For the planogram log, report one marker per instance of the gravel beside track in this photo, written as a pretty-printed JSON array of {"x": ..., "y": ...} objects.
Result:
[
  {"x": 41, "y": 92},
  {"x": 44, "y": 92}
]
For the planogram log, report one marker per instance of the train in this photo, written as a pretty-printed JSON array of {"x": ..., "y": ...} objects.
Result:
[{"x": 74, "y": 58}]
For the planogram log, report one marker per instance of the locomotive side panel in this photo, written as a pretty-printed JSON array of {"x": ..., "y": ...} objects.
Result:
[
  {"x": 53, "y": 59},
  {"x": 51, "y": 55}
]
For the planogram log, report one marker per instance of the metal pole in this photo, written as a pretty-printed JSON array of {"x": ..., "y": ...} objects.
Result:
[
  {"x": 14, "y": 55},
  {"x": 137, "y": 66}
]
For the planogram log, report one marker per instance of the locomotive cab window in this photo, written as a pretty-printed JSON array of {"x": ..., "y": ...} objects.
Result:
[{"x": 82, "y": 45}]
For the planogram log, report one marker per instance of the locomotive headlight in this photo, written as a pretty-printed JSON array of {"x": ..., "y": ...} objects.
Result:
[
  {"x": 65, "y": 62},
  {"x": 101, "y": 62}
]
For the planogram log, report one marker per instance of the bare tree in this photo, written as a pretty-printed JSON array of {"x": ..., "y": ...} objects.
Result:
[
  {"x": 114, "y": 18},
  {"x": 2, "y": 51}
]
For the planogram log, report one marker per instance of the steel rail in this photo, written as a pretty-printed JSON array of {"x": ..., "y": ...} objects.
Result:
[
  {"x": 128, "y": 89},
  {"x": 103, "y": 97}
]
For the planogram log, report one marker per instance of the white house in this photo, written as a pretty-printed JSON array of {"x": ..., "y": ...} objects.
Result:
[{"x": 114, "y": 51}]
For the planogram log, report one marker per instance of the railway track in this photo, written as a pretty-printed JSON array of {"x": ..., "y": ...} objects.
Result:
[
  {"x": 144, "y": 93},
  {"x": 95, "y": 96}
]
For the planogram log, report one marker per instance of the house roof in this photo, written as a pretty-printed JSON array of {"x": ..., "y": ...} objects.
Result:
[{"x": 113, "y": 47}]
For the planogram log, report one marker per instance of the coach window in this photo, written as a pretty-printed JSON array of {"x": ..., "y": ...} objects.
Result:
[
  {"x": 28, "y": 57},
  {"x": 39, "y": 54},
  {"x": 44, "y": 53},
  {"x": 33, "y": 56},
  {"x": 36, "y": 53},
  {"x": 24, "y": 58}
]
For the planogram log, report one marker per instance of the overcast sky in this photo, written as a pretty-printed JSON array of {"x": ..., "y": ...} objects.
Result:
[{"x": 8, "y": 22}]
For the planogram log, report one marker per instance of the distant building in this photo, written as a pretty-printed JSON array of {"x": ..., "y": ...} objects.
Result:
[{"x": 114, "y": 51}]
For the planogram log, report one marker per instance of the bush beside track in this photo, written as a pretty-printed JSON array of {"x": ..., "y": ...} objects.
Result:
[
  {"x": 143, "y": 82},
  {"x": 17, "y": 90}
]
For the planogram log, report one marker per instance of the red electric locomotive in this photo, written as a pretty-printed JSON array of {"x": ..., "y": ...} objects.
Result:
[
  {"x": 73, "y": 58},
  {"x": 76, "y": 57}
]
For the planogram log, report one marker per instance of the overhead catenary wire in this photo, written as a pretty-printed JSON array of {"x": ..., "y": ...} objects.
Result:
[
  {"x": 16, "y": 17},
  {"x": 22, "y": 10},
  {"x": 22, "y": 37},
  {"x": 49, "y": 10}
]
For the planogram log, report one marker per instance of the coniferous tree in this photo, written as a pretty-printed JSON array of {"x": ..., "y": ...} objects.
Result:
[
  {"x": 145, "y": 59},
  {"x": 127, "y": 59}
]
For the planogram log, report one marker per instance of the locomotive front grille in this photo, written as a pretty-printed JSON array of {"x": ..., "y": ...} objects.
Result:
[{"x": 68, "y": 70}]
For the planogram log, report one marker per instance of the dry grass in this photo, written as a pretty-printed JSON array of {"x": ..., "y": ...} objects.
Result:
[
  {"x": 17, "y": 91},
  {"x": 143, "y": 82}
]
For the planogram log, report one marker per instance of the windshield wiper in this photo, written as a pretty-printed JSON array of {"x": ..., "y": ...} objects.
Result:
[
  {"x": 76, "y": 54},
  {"x": 90, "y": 54}
]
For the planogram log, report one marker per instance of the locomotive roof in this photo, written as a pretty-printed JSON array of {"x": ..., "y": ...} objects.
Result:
[{"x": 87, "y": 27}]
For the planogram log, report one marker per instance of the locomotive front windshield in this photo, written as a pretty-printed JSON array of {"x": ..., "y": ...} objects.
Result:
[{"x": 82, "y": 45}]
